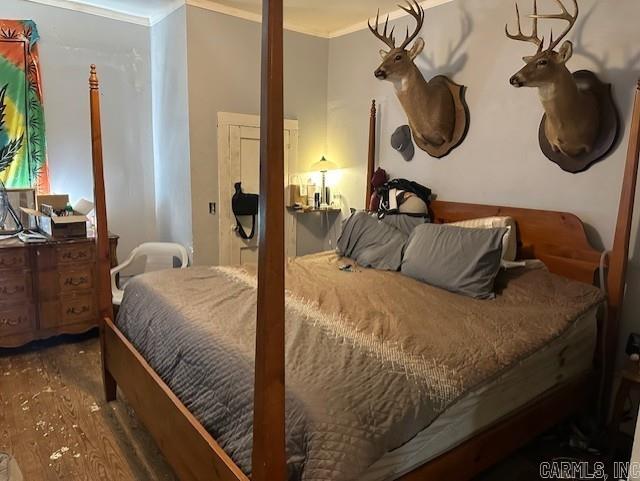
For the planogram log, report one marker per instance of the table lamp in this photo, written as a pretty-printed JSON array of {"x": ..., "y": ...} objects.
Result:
[{"x": 323, "y": 166}]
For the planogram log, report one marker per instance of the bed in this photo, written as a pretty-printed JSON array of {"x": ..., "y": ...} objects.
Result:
[
  {"x": 369, "y": 371},
  {"x": 404, "y": 452}
]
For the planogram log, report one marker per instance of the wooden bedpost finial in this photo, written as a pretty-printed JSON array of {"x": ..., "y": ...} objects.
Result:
[
  {"x": 93, "y": 78},
  {"x": 371, "y": 158}
]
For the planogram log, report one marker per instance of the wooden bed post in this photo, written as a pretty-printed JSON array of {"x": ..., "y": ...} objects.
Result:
[
  {"x": 103, "y": 274},
  {"x": 616, "y": 278},
  {"x": 371, "y": 159},
  {"x": 269, "y": 459}
]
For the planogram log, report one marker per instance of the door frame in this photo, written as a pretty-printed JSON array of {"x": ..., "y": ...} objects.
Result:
[{"x": 226, "y": 221}]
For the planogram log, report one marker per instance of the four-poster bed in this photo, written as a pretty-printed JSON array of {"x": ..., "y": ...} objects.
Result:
[{"x": 558, "y": 239}]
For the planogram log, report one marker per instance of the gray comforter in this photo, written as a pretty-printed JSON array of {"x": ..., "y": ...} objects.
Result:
[{"x": 373, "y": 357}]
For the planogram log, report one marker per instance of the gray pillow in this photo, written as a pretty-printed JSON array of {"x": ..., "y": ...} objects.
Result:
[
  {"x": 404, "y": 223},
  {"x": 458, "y": 259},
  {"x": 371, "y": 243}
]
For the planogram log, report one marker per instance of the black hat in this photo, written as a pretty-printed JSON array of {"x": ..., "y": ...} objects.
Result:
[{"x": 401, "y": 141}]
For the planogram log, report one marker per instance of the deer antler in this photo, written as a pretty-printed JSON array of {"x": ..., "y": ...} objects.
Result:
[
  {"x": 564, "y": 15},
  {"x": 387, "y": 39},
  {"x": 415, "y": 10},
  {"x": 533, "y": 38},
  {"x": 418, "y": 14}
]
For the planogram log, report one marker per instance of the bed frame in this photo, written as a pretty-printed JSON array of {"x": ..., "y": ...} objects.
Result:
[{"x": 557, "y": 238}]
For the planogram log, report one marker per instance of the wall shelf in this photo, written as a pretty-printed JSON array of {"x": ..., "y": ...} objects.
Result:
[{"x": 310, "y": 210}]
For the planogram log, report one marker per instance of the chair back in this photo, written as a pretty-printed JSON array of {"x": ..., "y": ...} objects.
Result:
[{"x": 160, "y": 255}]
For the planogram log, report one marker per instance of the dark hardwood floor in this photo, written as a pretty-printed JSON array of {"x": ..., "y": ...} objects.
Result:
[{"x": 54, "y": 421}]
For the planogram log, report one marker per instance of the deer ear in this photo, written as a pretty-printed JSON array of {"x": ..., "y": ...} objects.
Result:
[
  {"x": 383, "y": 53},
  {"x": 418, "y": 45},
  {"x": 566, "y": 51},
  {"x": 528, "y": 59}
]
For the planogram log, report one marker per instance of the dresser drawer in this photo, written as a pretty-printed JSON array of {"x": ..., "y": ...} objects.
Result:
[
  {"x": 76, "y": 279},
  {"x": 75, "y": 254},
  {"x": 13, "y": 259},
  {"x": 16, "y": 319},
  {"x": 16, "y": 285},
  {"x": 78, "y": 309},
  {"x": 68, "y": 310}
]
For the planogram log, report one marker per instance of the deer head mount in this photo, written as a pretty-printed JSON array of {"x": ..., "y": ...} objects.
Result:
[
  {"x": 436, "y": 110},
  {"x": 578, "y": 123}
]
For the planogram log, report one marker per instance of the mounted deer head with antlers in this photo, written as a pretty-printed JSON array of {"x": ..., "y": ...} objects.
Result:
[
  {"x": 572, "y": 107},
  {"x": 437, "y": 114}
]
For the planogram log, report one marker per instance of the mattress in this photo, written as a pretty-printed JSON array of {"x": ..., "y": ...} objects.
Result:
[
  {"x": 368, "y": 369},
  {"x": 565, "y": 358}
]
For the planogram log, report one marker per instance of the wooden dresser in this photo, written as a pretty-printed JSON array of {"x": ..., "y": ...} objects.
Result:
[{"x": 47, "y": 289}]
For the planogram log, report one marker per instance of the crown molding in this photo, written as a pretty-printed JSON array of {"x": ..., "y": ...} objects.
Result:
[
  {"x": 255, "y": 17},
  {"x": 251, "y": 16},
  {"x": 214, "y": 6},
  {"x": 93, "y": 10},
  {"x": 165, "y": 12}
]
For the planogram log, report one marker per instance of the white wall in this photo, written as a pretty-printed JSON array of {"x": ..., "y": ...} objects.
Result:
[
  {"x": 171, "y": 129},
  {"x": 70, "y": 42},
  {"x": 500, "y": 162},
  {"x": 224, "y": 76}
]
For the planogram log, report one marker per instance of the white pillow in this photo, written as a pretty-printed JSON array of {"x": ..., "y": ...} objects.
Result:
[{"x": 509, "y": 241}]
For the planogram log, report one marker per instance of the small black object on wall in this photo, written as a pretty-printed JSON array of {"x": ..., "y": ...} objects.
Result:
[{"x": 245, "y": 205}]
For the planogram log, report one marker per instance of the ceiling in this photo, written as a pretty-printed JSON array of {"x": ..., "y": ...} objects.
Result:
[{"x": 325, "y": 18}]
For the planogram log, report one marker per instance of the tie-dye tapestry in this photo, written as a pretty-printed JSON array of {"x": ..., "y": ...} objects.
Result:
[{"x": 23, "y": 156}]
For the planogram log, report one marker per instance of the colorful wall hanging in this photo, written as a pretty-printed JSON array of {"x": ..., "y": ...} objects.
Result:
[{"x": 23, "y": 155}]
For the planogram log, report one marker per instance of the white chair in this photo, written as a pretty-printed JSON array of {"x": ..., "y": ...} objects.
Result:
[{"x": 158, "y": 255}]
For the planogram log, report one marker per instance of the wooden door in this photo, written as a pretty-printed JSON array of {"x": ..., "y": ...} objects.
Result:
[{"x": 239, "y": 161}]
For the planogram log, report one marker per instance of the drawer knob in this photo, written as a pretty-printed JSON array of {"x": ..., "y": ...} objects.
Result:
[
  {"x": 75, "y": 281},
  {"x": 74, "y": 256},
  {"x": 4, "y": 262},
  {"x": 10, "y": 292},
  {"x": 78, "y": 311},
  {"x": 6, "y": 322}
]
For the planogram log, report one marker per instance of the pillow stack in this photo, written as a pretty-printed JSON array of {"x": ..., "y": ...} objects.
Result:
[{"x": 463, "y": 257}]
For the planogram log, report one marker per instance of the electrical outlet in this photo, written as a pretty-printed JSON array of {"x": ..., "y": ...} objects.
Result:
[
  {"x": 212, "y": 208},
  {"x": 633, "y": 344}
]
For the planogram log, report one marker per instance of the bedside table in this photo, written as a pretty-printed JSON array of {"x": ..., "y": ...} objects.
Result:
[{"x": 316, "y": 229}]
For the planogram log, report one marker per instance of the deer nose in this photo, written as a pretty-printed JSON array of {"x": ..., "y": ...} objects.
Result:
[
  {"x": 515, "y": 81},
  {"x": 380, "y": 74}
]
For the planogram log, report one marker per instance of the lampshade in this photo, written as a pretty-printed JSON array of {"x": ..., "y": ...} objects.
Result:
[{"x": 323, "y": 165}]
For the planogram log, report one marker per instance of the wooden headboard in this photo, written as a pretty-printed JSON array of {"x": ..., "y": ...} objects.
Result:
[{"x": 556, "y": 238}]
